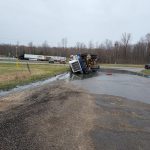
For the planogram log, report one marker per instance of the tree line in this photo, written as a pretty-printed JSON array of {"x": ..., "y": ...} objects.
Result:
[{"x": 120, "y": 52}]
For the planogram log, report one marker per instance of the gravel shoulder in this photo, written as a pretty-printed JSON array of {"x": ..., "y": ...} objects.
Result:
[
  {"x": 61, "y": 116},
  {"x": 50, "y": 117}
]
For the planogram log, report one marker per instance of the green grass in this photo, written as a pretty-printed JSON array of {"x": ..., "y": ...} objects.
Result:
[
  {"x": 122, "y": 65},
  {"x": 12, "y": 75},
  {"x": 146, "y": 72}
]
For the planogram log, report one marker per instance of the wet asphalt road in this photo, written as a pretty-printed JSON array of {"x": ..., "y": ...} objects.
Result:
[
  {"x": 133, "y": 87},
  {"x": 122, "y": 124}
]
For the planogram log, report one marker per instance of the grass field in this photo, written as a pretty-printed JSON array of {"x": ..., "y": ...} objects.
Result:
[
  {"x": 146, "y": 72},
  {"x": 122, "y": 65},
  {"x": 12, "y": 75}
]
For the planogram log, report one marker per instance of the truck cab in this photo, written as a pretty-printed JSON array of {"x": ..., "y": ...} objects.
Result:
[{"x": 83, "y": 63}]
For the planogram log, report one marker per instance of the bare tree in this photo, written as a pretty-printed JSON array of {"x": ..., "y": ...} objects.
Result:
[
  {"x": 64, "y": 45},
  {"x": 148, "y": 37},
  {"x": 45, "y": 44},
  {"x": 90, "y": 45},
  {"x": 80, "y": 47},
  {"x": 108, "y": 44},
  {"x": 126, "y": 37},
  {"x": 116, "y": 51},
  {"x": 120, "y": 52},
  {"x": 30, "y": 44},
  {"x": 45, "y": 48},
  {"x": 148, "y": 46}
]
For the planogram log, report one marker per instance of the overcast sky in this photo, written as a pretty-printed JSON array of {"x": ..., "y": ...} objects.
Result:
[{"x": 77, "y": 20}]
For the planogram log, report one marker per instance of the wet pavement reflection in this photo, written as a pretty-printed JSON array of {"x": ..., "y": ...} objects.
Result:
[{"x": 118, "y": 83}]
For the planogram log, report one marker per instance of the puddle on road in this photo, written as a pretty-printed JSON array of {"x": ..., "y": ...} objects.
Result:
[{"x": 116, "y": 82}]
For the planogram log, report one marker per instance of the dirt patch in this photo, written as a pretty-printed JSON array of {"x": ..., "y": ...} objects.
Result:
[{"x": 51, "y": 117}]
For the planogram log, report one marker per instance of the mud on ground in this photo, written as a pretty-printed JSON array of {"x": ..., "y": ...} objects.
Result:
[{"x": 63, "y": 117}]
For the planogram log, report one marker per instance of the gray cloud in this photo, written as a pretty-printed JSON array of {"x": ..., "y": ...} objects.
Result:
[{"x": 78, "y": 20}]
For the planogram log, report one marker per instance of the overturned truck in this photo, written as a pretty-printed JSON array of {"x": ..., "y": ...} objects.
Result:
[{"x": 84, "y": 63}]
